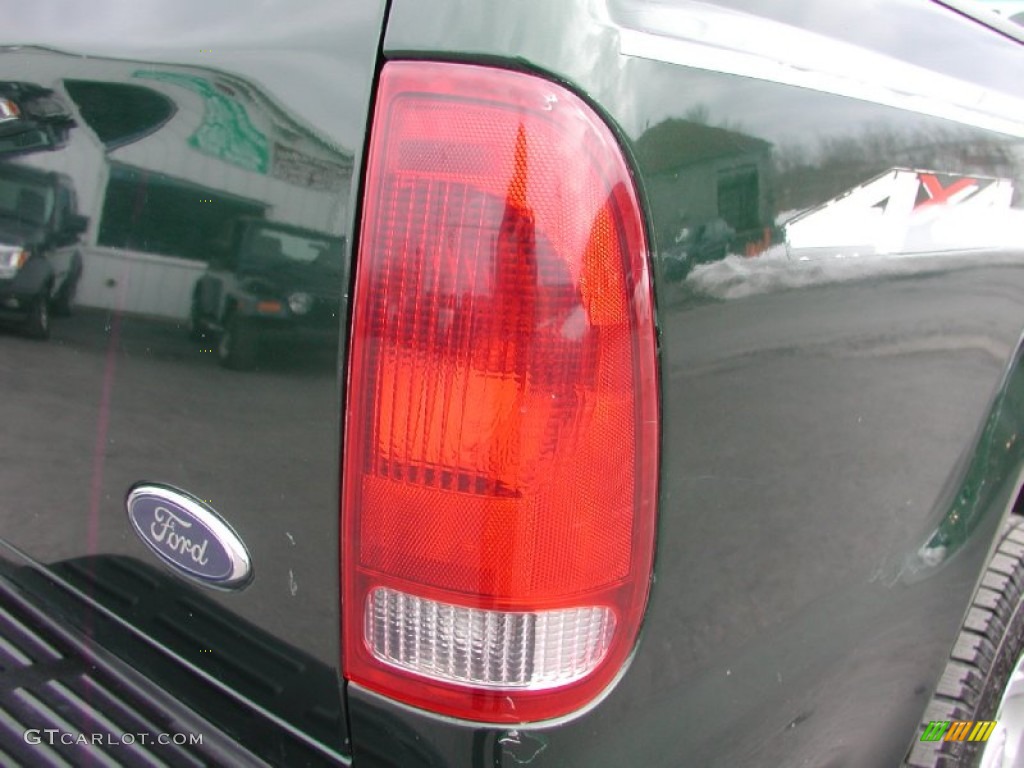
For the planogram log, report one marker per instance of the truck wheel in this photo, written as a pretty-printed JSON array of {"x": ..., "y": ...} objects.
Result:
[
  {"x": 62, "y": 302},
  {"x": 984, "y": 678},
  {"x": 64, "y": 299},
  {"x": 37, "y": 325},
  {"x": 196, "y": 328},
  {"x": 238, "y": 345}
]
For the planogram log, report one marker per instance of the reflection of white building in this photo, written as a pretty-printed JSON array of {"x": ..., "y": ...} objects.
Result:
[{"x": 163, "y": 156}]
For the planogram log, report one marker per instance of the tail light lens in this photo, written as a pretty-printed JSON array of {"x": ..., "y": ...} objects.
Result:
[{"x": 501, "y": 439}]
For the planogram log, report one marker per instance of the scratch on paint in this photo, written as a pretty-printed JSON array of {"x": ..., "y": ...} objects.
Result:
[
  {"x": 523, "y": 748},
  {"x": 290, "y": 538},
  {"x": 292, "y": 586}
]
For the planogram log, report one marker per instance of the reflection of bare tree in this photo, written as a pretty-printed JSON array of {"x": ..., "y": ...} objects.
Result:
[{"x": 806, "y": 177}]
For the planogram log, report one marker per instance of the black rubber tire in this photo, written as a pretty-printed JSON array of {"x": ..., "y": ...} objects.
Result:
[
  {"x": 37, "y": 324},
  {"x": 196, "y": 326},
  {"x": 983, "y": 658},
  {"x": 238, "y": 345},
  {"x": 62, "y": 303}
]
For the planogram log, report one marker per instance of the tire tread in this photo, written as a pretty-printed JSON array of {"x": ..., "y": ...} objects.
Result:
[{"x": 979, "y": 655}]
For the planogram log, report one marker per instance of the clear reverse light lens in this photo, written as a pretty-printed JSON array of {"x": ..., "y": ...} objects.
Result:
[{"x": 492, "y": 649}]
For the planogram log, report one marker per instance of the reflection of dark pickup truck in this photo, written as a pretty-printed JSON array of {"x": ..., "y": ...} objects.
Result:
[
  {"x": 32, "y": 118},
  {"x": 39, "y": 267},
  {"x": 267, "y": 280}
]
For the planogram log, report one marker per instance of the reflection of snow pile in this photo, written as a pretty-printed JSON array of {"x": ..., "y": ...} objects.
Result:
[{"x": 782, "y": 268}]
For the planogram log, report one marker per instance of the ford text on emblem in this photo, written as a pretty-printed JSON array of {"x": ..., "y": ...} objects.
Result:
[{"x": 189, "y": 536}]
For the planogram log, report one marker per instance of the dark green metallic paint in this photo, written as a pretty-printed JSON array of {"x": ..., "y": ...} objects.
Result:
[
  {"x": 188, "y": 115},
  {"x": 838, "y": 448},
  {"x": 811, "y": 570}
]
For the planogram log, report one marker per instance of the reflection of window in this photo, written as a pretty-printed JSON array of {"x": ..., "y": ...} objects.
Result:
[
  {"x": 270, "y": 245},
  {"x": 117, "y": 113},
  {"x": 26, "y": 202},
  {"x": 29, "y": 138},
  {"x": 65, "y": 203},
  {"x": 738, "y": 198},
  {"x": 149, "y": 212}
]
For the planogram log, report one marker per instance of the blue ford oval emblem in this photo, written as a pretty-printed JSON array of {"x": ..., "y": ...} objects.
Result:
[{"x": 189, "y": 536}]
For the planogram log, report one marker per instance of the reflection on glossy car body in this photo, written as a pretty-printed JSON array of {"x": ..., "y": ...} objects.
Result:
[
  {"x": 810, "y": 487},
  {"x": 165, "y": 158},
  {"x": 32, "y": 118},
  {"x": 841, "y": 404}
]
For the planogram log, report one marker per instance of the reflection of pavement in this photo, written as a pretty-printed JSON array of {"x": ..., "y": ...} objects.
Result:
[
  {"x": 809, "y": 437},
  {"x": 81, "y": 425},
  {"x": 159, "y": 339}
]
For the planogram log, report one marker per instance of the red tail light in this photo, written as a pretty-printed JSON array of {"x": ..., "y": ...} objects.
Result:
[{"x": 501, "y": 437}]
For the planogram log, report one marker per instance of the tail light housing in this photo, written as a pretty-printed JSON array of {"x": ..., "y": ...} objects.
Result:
[{"x": 500, "y": 465}]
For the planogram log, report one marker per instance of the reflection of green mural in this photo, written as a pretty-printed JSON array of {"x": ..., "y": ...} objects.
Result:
[{"x": 226, "y": 131}]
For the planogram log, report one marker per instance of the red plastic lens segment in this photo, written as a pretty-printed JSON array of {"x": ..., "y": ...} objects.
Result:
[{"x": 500, "y": 464}]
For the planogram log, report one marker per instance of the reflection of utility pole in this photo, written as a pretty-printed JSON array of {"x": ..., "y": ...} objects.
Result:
[
  {"x": 138, "y": 204},
  {"x": 113, "y": 328},
  {"x": 134, "y": 220}
]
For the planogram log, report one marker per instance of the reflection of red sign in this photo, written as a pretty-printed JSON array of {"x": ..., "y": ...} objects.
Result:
[{"x": 939, "y": 195}]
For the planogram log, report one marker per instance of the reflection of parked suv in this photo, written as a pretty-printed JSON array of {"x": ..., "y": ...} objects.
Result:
[
  {"x": 266, "y": 279},
  {"x": 39, "y": 265}
]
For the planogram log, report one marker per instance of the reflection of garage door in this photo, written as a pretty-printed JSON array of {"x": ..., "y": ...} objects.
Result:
[{"x": 152, "y": 213}]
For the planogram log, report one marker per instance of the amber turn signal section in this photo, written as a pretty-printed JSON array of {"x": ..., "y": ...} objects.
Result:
[
  {"x": 269, "y": 307},
  {"x": 500, "y": 455}
]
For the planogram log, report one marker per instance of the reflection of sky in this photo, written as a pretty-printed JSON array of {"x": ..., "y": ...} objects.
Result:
[
  {"x": 776, "y": 113},
  {"x": 284, "y": 49},
  {"x": 881, "y": 60},
  {"x": 914, "y": 31},
  {"x": 324, "y": 47},
  {"x": 581, "y": 41}
]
